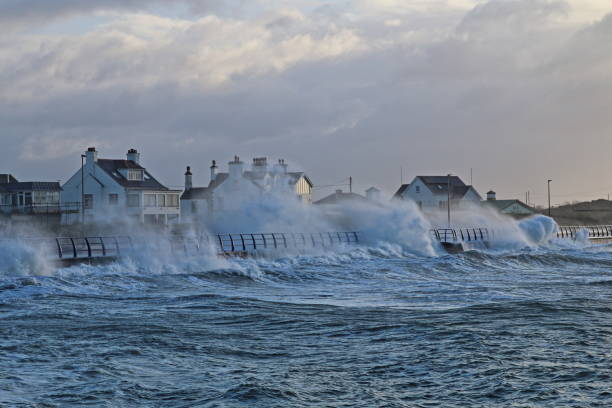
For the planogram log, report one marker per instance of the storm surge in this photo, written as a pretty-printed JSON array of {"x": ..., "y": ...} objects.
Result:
[{"x": 392, "y": 321}]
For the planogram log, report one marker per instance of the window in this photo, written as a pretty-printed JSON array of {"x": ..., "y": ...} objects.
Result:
[
  {"x": 133, "y": 200},
  {"x": 113, "y": 199},
  {"x": 134, "y": 174},
  {"x": 88, "y": 201},
  {"x": 161, "y": 200},
  {"x": 28, "y": 198},
  {"x": 172, "y": 200},
  {"x": 194, "y": 207},
  {"x": 418, "y": 189},
  {"x": 149, "y": 200},
  {"x": 420, "y": 204},
  {"x": 442, "y": 204}
]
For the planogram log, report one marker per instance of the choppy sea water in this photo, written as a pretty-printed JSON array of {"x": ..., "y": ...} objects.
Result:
[{"x": 364, "y": 328}]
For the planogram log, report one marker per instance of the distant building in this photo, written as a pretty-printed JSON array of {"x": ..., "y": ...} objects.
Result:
[
  {"x": 228, "y": 191},
  {"x": 373, "y": 194},
  {"x": 340, "y": 198},
  {"x": 115, "y": 188},
  {"x": 431, "y": 193},
  {"x": 31, "y": 198},
  {"x": 513, "y": 208}
]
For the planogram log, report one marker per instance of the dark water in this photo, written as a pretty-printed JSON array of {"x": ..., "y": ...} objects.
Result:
[{"x": 531, "y": 328}]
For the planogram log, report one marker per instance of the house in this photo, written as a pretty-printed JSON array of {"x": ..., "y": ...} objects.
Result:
[
  {"x": 513, "y": 208},
  {"x": 340, "y": 197},
  {"x": 117, "y": 188},
  {"x": 228, "y": 191},
  {"x": 431, "y": 193},
  {"x": 31, "y": 198}
]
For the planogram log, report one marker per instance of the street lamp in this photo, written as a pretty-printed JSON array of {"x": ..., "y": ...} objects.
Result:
[
  {"x": 82, "y": 191},
  {"x": 549, "y": 197},
  {"x": 448, "y": 200}
]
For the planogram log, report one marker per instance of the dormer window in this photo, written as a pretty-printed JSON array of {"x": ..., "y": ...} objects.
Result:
[
  {"x": 134, "y": 174},
  {"x": 418, "y": 189}
]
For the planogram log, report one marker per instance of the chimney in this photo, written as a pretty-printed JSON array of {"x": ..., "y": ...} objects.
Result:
[
  {"x": 280, "y": 167},
  {"x": 260, "y": 165},
  {"x": 91, "y": 155},
  {"x": 491, "y": 196},
  {"x": 235, "y": 168},
  {"x": 188, "y": 183},
  {"x": 373, "y": 194},
  {"x": 133, "y": 155},
  {"x": 213, "y": 171}
]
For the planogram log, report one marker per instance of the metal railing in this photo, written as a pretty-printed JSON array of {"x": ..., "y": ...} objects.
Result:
[
  {"x": 74, "y": 248},
  {"x": 594, "y": 231},
  {"x": 450, "y": 235}
]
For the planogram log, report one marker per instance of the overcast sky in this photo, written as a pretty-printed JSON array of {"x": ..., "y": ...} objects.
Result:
[{"x": 518, "y": 90}]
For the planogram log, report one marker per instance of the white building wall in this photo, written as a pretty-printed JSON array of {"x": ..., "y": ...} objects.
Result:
[{"x": 102, "y": 210}]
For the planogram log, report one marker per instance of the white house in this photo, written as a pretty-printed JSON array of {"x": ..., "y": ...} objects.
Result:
[
  {"x": 228, "y": 191},
  {"x": 431, "y": 193},
  {"x": 117, "y": 188}
]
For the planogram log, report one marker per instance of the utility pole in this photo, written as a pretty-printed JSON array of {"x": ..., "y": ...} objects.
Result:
[
  {"x": 549, "y": 197},
  {"x": 471, "y": 177},
  {"x": 448, "y": 201},
  {"x": 401, "y": 176},
  {"x": 350, "y": 184},
  {"x": 82, "y": 192}
]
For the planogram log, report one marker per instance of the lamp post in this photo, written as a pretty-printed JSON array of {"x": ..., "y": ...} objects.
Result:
[
  {"x": 82, "y": 191},
  {"x": 448, "y": 202},
  {"x": 549, "y": 197}
]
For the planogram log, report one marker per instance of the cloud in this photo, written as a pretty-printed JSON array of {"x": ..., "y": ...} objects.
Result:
[{"x": 518, "y": 90}]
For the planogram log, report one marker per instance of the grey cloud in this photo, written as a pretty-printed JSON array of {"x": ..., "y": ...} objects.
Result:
[{"x": 530, "y": 107}]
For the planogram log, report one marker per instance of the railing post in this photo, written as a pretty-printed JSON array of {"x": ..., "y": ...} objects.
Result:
[
  {"x": 88, "y": 247},
  {"x": 284, "y": 240},
  {"x": 242, "y": 240},
  {"x": 117, "y": 245},
  {"x": 274, "y": 240},
  {"x": 232, "y": 242},
  {"x": 263, "y": 236},
  {"x": 74, "y": 251},
  {"x": 103, "y": 246},
  {"x": 59, "y": 248},
  {"x": 220, "y": 243},
  {"x": 254, "y": 244}
]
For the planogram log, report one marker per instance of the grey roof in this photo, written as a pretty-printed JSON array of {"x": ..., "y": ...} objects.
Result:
[
  {"x": 7, "y": 178},
  {"x": 339, "y": 197},
  {"x": 501, "y": 205},
  {"x": 196, "y": 193},
  {"x": 112, "y": 166},
  {"x": 398, "y": 193},
  {"x": 454, "y": 180},
  {"x": 439, "y": 185},
  {"x": 219, "y": 179},
  {"x": 31, "y": 186}
]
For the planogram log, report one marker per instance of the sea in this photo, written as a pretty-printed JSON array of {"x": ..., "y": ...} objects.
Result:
[{"x": 361, "y": 326}]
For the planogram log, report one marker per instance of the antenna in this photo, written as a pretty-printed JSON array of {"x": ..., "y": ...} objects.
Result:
[
  {"x": 401, "y": 175},
  {"x": 471, "y": 177}
]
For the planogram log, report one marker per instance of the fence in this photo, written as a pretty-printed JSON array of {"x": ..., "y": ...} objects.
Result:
[
  {"x": 74, "y": 248},
  {"x": 448, "y": 235},
  {"x": 594, "y": 231}
]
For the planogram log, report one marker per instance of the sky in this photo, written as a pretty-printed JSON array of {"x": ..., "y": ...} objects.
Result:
[{"x": 519, "y": 91}]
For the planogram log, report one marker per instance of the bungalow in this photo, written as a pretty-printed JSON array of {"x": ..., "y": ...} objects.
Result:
[
  {"x": 116, "y": 188},
  {"x": 513, "y": 208},
  {"x": 431, "y": 193},
  {"x": 227, "y": 191},
  {"x": 30, "y": 198}
]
